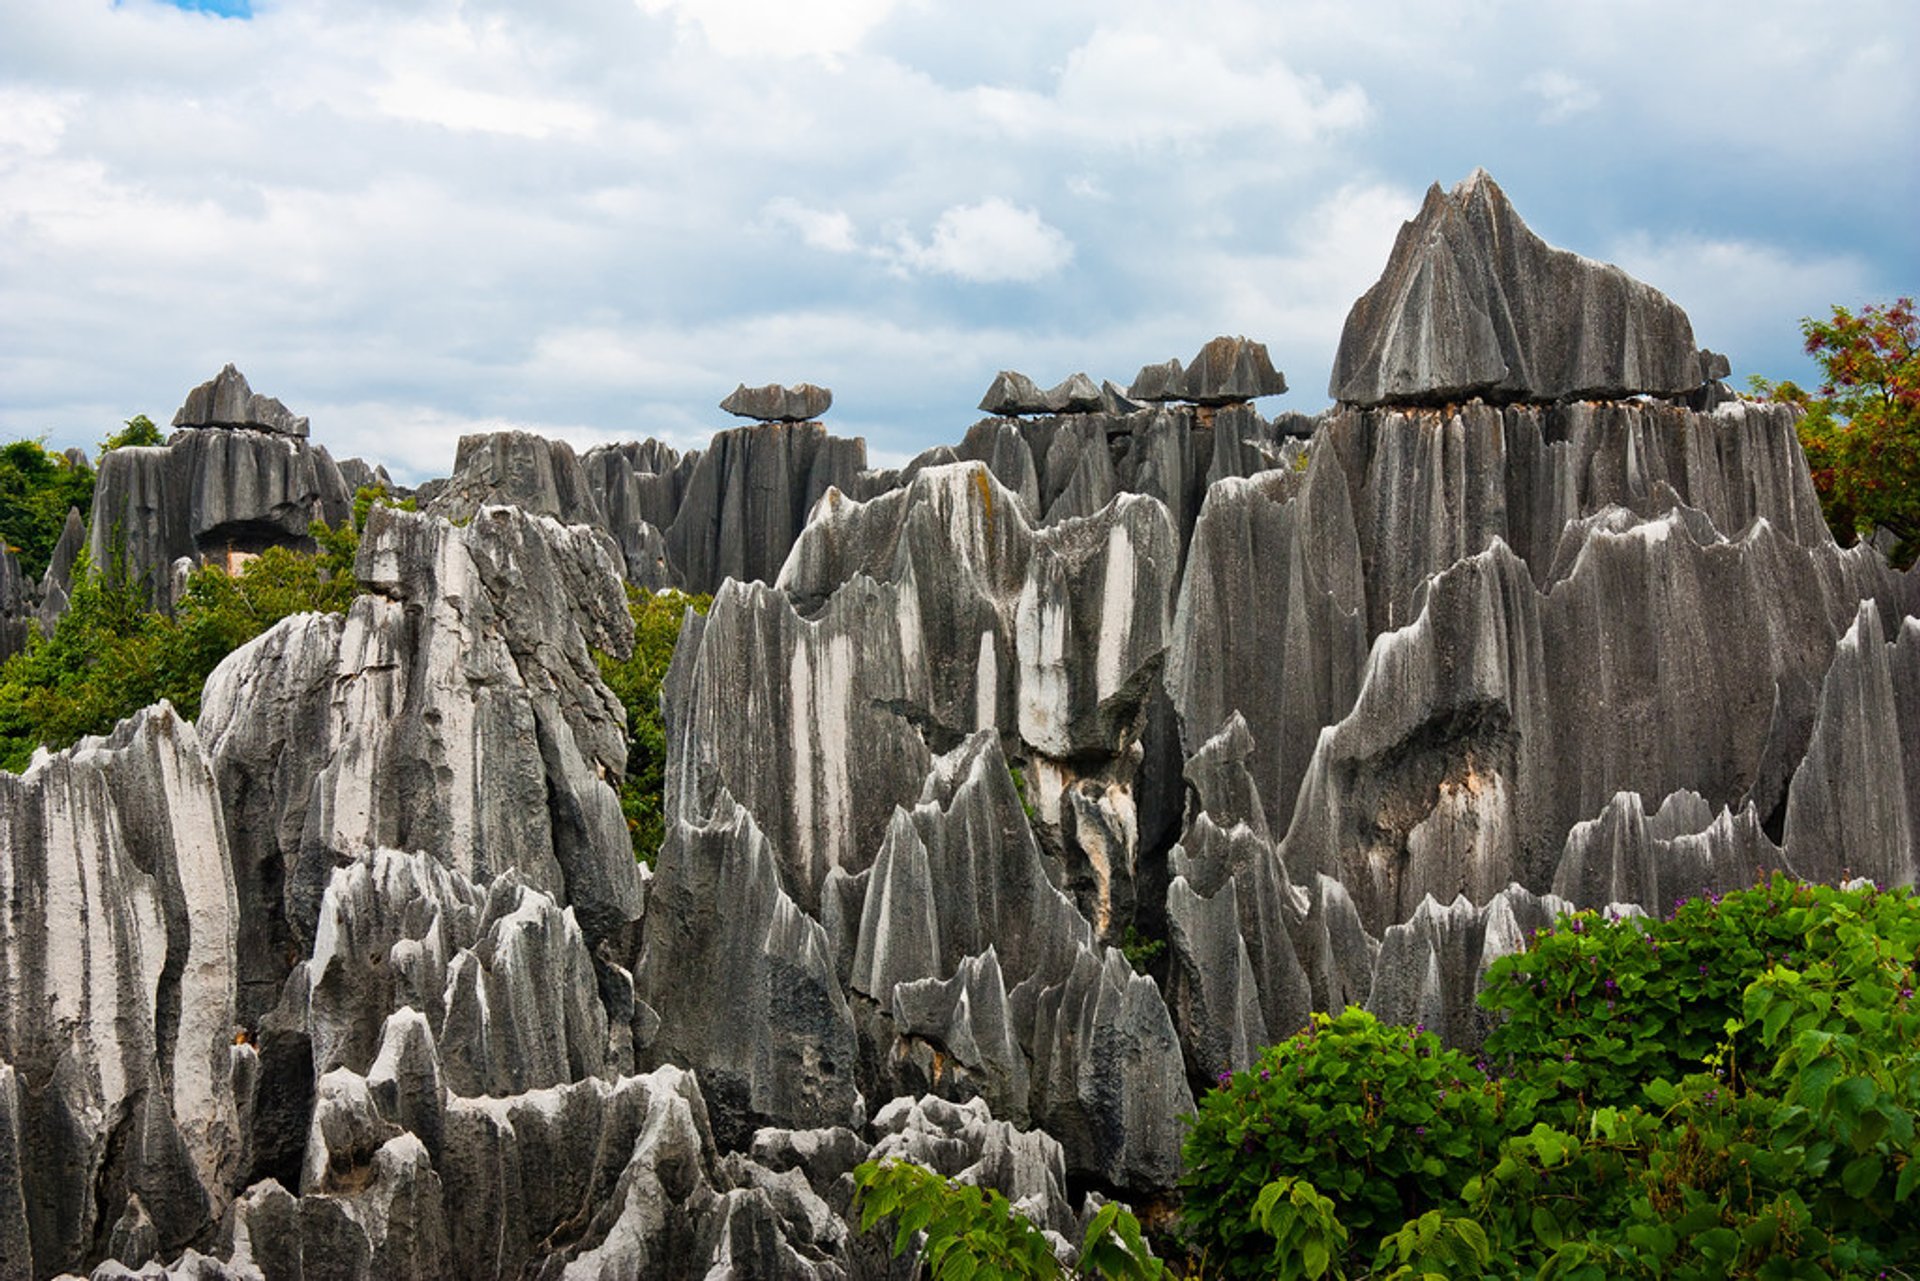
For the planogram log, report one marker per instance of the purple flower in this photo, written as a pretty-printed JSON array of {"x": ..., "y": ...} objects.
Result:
[
  {"x": 1265, "y": 1075},
  {"x": 1224, "y": 1079},
  {"x": 1711, "y": 1095},
  {"x": 1420, "y": 1130}
]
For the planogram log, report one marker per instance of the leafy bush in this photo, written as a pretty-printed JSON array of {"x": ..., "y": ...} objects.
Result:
[
  {"x": 973, "y": 1232},
  {"x": 636, "y": 681},
  {"x": 1595, "y": 1008},
  {"x": 1729, "y": 1092},
  {"x": 1382, "y": 1119}
]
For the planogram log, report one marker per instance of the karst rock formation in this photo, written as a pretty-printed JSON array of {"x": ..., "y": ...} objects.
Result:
[{"x": 357, "y": 976}]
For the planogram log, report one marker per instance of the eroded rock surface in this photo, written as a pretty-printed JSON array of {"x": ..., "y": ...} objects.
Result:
[{"x": 1474, "y": 304}]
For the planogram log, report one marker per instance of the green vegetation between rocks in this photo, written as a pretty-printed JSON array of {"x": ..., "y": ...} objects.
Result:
[
  {"x": 973, "y": 1232},
  {"x": 37, "y": 488},
  {"x": 110, "y": 655},
  {"x": 1726, "y": 1092},
  {"x": 1729, "y": 1091},
  {"x": 636, "y": 681}
]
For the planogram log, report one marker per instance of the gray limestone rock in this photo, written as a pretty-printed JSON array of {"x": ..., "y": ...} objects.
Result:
[
  {"x": 748, "y": 496},
  {"x": 966, "y": 1023},
  {"x": 455, "y": 710},
  {"x": 16, "y": 607},
  {"x": 56, "y": 585},
  {"x": 509, "y": 991},
  {"x": 117, "y": 991},
  {"x": 516, "y": 468},
  {"x": 1013, "y": 394},
  {"x": 1472, "y": 303},
  {"x": 225, "y": 400},
  {"x": 958, "y": 873},
  {"x": 1108, "y": 1077},
  {"x": 965, "y": 1143},
  {"x": 1231, "y": 370},
  {"x": 776, "y": 404},
  {"x": 1432, "y": 966},
  {"x": 1854, "y": 806},
  {"x": 744, "y": 983},
  {"x": 1683, "y": 850},
  {"x": 1478, "y": 739},
  {"x": 1159, "y": 383},
  {"x": 1275, "y": 557},
  {"x": 212, "y": 496}
]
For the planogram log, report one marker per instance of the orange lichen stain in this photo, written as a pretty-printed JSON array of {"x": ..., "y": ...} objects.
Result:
[
  {"x": 981, "y": 483},
  {"x": 939, "y": 1066}
]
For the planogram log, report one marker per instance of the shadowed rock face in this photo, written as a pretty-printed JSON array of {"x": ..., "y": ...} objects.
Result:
[
  {"x": 1474, "y": 304},
  {"x": 241, "y": 479},
  {"x": 15, "y": 607}
]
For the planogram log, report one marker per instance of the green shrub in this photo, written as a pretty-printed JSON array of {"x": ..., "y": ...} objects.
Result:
[
  {"x": 1383, "y": 1120},
  {"x": 973, "y": 1232},
  {"x": 1729, "y": 1092},
  {"x": 636, "y": 681},
  {"x": 1595, "y": 1008}
]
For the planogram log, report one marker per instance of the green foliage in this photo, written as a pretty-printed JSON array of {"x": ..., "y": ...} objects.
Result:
[
  {"x": 1861, "y": 429},
  {"x": 1308, "y": 1237},
  {"x": 110, "y": 655},
  {"x": 1596, "y": 1008},
  {"x": 1382, "y": 1119},
  {"x": 1729, "y": 1092},
  {"x": 636, "y": 681},
  {"x": 973, "y": 1232},
  {"x": 1140, "y": 949},
  {"x": 138, "y": 430},
  {"x": 37, "y": 487}
]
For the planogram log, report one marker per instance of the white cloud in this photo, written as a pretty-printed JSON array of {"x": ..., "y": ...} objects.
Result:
[
  {"x": 827, "y": 229},
  {"x": 993, "y": 241},
  {"x": 777, "y": 29},
  {"x": 1563, "y": 95},
  {"x": 412, "y": 219},
  {"x": 457, "y": 107},
  {"x": 1743, "y": 297},
  {"x": 1132, "y": 86}
]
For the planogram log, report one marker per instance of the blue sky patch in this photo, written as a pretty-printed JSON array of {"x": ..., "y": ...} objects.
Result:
[{"x": 224, "y": 8}]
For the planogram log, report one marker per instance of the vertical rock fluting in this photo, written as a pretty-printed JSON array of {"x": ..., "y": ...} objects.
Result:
[
  {"x": 455, "y": 709},
  {"x": 117, "y": 958}
]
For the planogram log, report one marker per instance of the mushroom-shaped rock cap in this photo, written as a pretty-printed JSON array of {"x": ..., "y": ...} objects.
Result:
[
  {"x": 1230, "y": 370},
  {"x": 1013, "y": 394},
  {"x": 1474, "y": 304},
  {"x": 1156, "y": 383},
  {"x": 225, "y": 400},
  {"x": 776, "y": 404}
]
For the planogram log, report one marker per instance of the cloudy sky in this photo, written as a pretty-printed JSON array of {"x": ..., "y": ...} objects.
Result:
[{"x": 409, "y": 219}]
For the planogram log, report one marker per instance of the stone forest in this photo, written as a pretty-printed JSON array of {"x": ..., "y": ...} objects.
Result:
[{"x": 1012, "y": 805}]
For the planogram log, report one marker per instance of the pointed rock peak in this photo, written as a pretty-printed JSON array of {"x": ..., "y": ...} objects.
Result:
[
  {"x": 773, "y": 403},
  {"x": 1473, "y": 303},
  {"x": 225, "y": 400}
]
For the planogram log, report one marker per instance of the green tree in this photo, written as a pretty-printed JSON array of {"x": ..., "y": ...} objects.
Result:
[
  {"x": 635, "y": 681},
  {"x": 37, "y": 487},
  {"x": 139, "y": 430},
  {"x": 1861, "y": 429}
]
